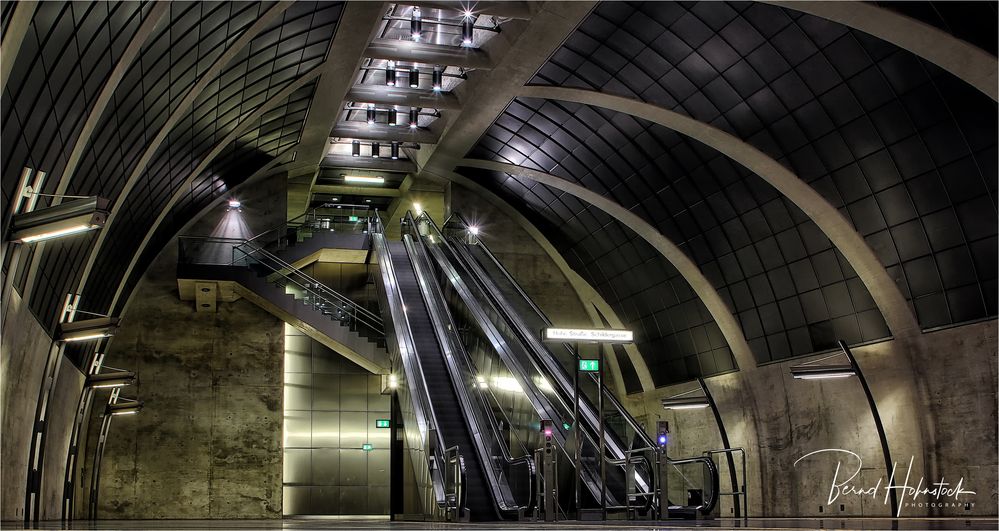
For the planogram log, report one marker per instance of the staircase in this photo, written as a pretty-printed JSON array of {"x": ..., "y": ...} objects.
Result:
[{"x": 268, "y": 279}]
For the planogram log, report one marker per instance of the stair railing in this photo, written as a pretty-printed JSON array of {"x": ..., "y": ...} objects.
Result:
[{"x": 320, "y": 296}]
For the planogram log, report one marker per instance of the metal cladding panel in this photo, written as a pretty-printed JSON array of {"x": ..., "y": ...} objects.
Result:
[{"x": 905, "y": 150}]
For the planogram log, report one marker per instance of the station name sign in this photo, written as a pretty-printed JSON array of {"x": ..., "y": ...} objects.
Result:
[{"x": 592, "y": 335}]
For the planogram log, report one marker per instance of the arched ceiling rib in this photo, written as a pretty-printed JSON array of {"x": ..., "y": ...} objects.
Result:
[
  {"x": 675, "y": 333},
  {"x": 898, "y": 315},
  {"x": 966, "y": 61},
  {"x": 903, "y": 149},
  {"x": 180, "y": 56}
]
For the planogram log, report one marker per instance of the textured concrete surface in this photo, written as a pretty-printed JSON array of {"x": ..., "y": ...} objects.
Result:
[
  {"x": 793, "y": 417},
  {"x": 208, "y": 443},
  {"x": 25, "y": 347},
  {"x": 61, "y": 410}
]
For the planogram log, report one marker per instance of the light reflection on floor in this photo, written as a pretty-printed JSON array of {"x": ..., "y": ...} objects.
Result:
[{"x": 306, "y": 524}]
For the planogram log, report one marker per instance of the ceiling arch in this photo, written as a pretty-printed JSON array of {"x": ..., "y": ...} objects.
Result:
[
  {"x": 970, "y": 63},
  {"x": 889, "y": 299},
  {"x": 904, "y": 150}
]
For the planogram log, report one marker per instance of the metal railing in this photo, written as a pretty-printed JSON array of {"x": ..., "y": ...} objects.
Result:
[
  {"x": 557, "y": 372},
  {"x": 742, "y": 490},
  {"x": 237, "y": 252},
  {"x": 482, "y": 425},
  {"x": 423, "y": 409}
]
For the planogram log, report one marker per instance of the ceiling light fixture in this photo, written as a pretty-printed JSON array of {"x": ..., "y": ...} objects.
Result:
[
  {"x": 124, "y": 407},
  {"x": 355, "y": 148},
  {"x": 414, "y": 118},
  {"x": 438, "y": 78},
  {"x": 375, "y": 150},
  {"x": 390, "y": 74},
  {"x": 110, "y": 380},
  {"x": 371, "y": 114},
  {"x": 70, "y": 217},
  {"x": 416, "y": 24},
  {"x": 363, "y": 179},
  {"x": 393, "y": 117},
  {"x": 88, "y": 329},
  {"x": 394, "y": 150},
  {"x": 467, "y": 29},
  {"x": 414, "y": 77},
  {"x": 822, "y": 372},
  {"x": 696, "y": 402}
]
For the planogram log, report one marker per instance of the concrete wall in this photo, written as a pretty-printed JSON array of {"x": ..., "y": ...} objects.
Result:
[
  {"x": 25, "y": 347},
  {"x": 208, "y": 442},
  {"x": 779, "y": 419}
]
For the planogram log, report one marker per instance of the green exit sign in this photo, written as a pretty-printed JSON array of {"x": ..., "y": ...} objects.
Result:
[
  {"x": 367, "y": 447},
  {"x": 353, "y": 218},
  {"x": 589, "y": 365},
  {"x": 382, "y": 423}
]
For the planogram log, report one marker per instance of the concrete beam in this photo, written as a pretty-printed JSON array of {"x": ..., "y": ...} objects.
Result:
[
  {"x": 428, "y": 54},
  {"x": 405, "y": 97},
  {"x": 338, "y": 72},
  {"x": 20, "y": 21},
  {"x": 339, "y": 189},
  {"x": 518, "y": 10},
  {"x": 522, "y": 48},
  {"x": 385, "y": 133},
  {"x": 970, "y": 63},
  {"x": 720, "y": 312},
  {"x": 368, "y": 163},
  {"x": 897, "y": 313}
]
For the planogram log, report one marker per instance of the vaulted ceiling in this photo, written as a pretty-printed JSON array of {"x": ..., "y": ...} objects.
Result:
[{"x": 742, "y": 182}]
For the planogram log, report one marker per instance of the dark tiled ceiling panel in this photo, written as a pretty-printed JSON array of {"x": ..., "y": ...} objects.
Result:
[
  {"x": 906, "y": 151},
  {"x": 788, "y": 287},
  {"x": 272, "y": 135},
  {"x": 296, "y": 42},
  {"x": 156, "y": 81},
  {"x": 974, "y": 22},
  {"x": 67, "y": 54},
  {"x": 676, "y": 335}
]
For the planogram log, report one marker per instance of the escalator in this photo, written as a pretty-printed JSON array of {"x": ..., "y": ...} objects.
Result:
[
  {"x": 472, "y": 474},
  {"x": 531, "y": 378},
  {"x": 625, "y": 437}
]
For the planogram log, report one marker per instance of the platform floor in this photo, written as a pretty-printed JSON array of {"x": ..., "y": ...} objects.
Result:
[{"x": 307, "y": 524}]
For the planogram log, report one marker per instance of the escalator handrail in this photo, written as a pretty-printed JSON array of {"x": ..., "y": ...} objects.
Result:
[
  {"x": 421, "y": 395},
  {"x": 452, "y": 350},
  {"x": 616, "y": 404},
  {"x": 588, "y": 434}
]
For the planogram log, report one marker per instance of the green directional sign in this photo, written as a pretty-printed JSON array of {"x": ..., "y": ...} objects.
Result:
[
  {"x": 589, "y": 365},
  {"x": 382, "y": 423},
  {"x": 353, "y": 218},
  {"x": 367, "y": 447}
]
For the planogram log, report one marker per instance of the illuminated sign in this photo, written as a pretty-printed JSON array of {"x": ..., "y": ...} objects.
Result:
[
  {"x": 382, "y": 423},
  {"x": 367, "y": 447},
  {"x": 581, "y": 334},
  {"x": 353, "y": 218},
  {"x": 589, "y": 365}
]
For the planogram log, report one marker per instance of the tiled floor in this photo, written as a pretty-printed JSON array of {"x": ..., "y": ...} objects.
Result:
[{"x": 775, "y": 524}]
